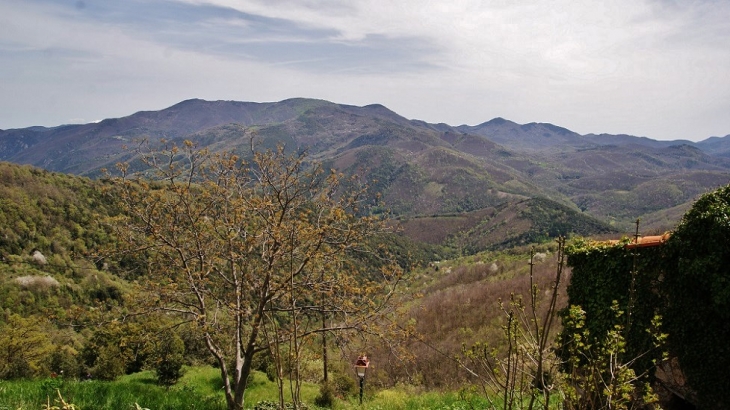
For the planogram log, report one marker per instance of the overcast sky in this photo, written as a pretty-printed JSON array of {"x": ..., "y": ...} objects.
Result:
[{"x": 655, "y": 68}]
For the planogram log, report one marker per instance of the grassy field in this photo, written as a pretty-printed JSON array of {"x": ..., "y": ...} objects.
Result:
[{"x": 199, "y": 389}]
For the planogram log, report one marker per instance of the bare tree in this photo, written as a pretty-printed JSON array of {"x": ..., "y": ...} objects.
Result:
[
  {"x": 523, "y": 373},
  {"x": 246, "y": 250}
]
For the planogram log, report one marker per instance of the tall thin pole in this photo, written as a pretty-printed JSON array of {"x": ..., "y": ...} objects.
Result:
[
  {"x": 324, "y": 343},
  {"x": 632, "y": 284},
  {"x": 362, "y": 382}
]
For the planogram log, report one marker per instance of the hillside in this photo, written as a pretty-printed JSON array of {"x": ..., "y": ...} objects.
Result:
[
  {"x": 513, "y": 223},
  {"x": 50, "y": 228},
  {"x": 420, "y": 169},
  {"x": 53, "y": 231}
]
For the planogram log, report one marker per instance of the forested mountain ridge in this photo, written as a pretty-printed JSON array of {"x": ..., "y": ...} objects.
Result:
[{"x": 421, "y": 169}]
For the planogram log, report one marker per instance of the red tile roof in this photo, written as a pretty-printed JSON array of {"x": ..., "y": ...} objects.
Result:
[{"x": 648, "y": 241}]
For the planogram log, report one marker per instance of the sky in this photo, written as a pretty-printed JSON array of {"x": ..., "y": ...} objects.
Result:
[{"x": 654, "y": 68}]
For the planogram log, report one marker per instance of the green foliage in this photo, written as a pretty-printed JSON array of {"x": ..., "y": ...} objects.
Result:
[
  {"x": 685, "y": 281},
  {"x": 551, "y": 220},
  {"x": 50, "y": 224},
  {"x": 697, "y": 288},
  {"x": 343, "y": 384},
  {"x": 270, "y": 405},
  {"x": 25, "y": 347},
  {"x": 326, "y": 396},
  {"x": 600, "y": 368},
  {"x": 606, "y": 277},
  {"x": 52, "y": 385},
  {"x": 168, "y": 358},
  {"x": 64, "y": 360},
  {"x": 406, "y": 252},
  {"x": 54, "y": 213},
  {"x": 109, "y": 363},
  {"x": 118, "y": 348},
  {"x": 513, "y": 223}
]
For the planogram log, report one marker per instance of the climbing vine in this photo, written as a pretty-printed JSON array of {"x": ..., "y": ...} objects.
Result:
[
  {"x": 607, "y": 277},
  {"x": 697, "y": 290}
]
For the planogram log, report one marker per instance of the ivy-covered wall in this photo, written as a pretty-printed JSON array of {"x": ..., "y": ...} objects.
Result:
[
  {"x": 603, "y": 273},
  {"x": 686, "y": 281}
]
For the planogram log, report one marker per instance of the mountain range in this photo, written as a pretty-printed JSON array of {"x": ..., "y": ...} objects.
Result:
[{"x": 498, "y": 183}]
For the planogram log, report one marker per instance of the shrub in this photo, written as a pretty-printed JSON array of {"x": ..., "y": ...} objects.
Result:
[
  {"x": 64, "y": 360},
  {"x": 271, "y": 405},
  {"x": 110, "y": 363},
  {"x": 168, "y": 359},
  {"x": 25, "y": 347},
  {"x": 343, "y": 385},
  {"x": 326, "y": 396},
  {"x": 17, "y": 368}
]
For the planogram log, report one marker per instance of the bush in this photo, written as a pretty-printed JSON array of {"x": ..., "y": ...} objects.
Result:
[
  {"x": 343, "y": 385},
  {"x": 17, "y": 368},
  {"x": 168, "y": 359},
  {"x": 64, "y": 361},
  {"x": 109, "y": 364},
  {"x": 271, "y": 405},
  {"x": 326, "y": 396},
  {"x": 25, "y": 347}
]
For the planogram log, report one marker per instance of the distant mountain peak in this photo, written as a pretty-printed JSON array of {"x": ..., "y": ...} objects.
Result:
[{"x": 498, "y": 121}]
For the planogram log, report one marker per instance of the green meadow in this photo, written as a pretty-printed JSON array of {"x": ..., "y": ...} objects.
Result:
[{"x": 200, "y": 389}]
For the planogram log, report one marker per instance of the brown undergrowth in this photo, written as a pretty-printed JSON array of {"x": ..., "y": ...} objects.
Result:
[{"x": 455, "y": 305}]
